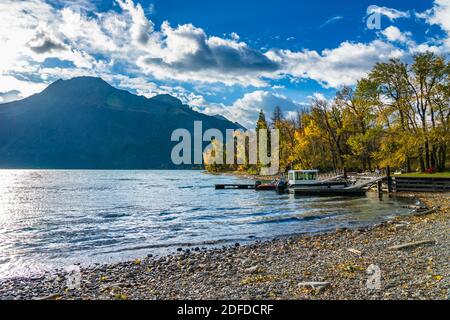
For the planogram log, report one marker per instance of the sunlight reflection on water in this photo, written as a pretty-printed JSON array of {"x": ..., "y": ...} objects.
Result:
[{"x": 56, "y": 218}]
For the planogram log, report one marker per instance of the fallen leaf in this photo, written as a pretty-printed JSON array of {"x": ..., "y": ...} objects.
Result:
[{"x": 438, "y": 278}]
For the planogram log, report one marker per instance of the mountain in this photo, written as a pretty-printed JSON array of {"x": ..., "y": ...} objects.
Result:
[
  {"x": 219, "y": 116},
  {"x": 85, "y": 123}
]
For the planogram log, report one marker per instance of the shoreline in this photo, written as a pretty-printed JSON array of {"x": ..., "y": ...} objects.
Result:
[
  {"x": 244, "y": 175},
  {"x": 319, "y": 266}
]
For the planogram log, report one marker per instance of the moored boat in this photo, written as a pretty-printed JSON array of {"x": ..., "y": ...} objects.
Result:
[
  {"x": 305, "y": 182},
  {"x": 266, "y": 187}
]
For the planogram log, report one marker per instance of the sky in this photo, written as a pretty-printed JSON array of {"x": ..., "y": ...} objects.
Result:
[{"x": 221, "y": 57}]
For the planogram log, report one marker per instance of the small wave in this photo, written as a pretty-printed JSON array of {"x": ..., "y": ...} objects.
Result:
[
  {"x": 205, "y": 218},
  {"x": 229, "y": 209},
  {"x": 195, "y": 209},
  {"x": 129, "y": 207},
  {"x": 169, "y": 219},
  {"x": 113, "y": 215},
  {"x": 91, "y": 189},
  {"x": 174, "y": 245},
  {"x": 147, "y": 185},
  {"x": 291, "y": 219}
]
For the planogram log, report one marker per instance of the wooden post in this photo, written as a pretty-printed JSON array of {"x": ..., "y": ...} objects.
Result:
[
  {"x": 345, "y": 173},
  {"x": 389, "y": 179},
  {"x": 380, "y": 189}
]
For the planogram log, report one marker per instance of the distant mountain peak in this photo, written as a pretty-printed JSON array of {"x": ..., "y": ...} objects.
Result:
[
  {"x": 83, "y": 80},
  {"x": 85, "y": 123},
  {"x": 168, "y": 99},
  {"x": 80, "y": 84},
  {"x": 89, "y": 79}
]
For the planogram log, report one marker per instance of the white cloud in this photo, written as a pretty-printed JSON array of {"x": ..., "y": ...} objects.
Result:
[
  {"x": 318, "y": 96},
  {"x": 331, "y": 21},
  {"x": 344, "y": 65},
  {"x": 9, "y": 83},
  {"x": 246, "y": 109},
  {"x": 124, "y": 39},
  {"x": 9, "y": 96},
  {"x": 392, "y": 14},
  {"x": 141, "y": 27},
  {"x": 439, "y": 15},
  {"x": 394, "y": 34},
  {"x": 186, "y": 53},
  {"x": 34, "y": 31},
  {"x": 235, "y": 36}
]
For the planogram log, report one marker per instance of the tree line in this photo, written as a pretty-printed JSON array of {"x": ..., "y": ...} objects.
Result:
[{"x": 399, "y": 115}]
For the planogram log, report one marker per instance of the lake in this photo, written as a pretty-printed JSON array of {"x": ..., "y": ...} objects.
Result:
[{"x": 55, "y": 218}]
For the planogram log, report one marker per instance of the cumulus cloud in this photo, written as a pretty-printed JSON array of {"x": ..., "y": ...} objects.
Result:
[
  {"x": 35, "y": 31},
  {"x": 117, "y": 43},
  {"x": 32, "y": 31},
  {"x": 390, "y": 13},
  {"x": 188, "y": 54},
  {"x": 318, "y": 96},
  {"x": 141, "y": 27},
  {"x": 246, "y": 109},
  {"x": 235, "y": 36},
  {"x": 10, "y": 96},
  {"x": 344, "y": 65},
  {"x": 27, "y": 88},
  {"x": 439, "y": 15},
  {"x": 394, "y": 34},
  {"x": 45, "y": 43}
]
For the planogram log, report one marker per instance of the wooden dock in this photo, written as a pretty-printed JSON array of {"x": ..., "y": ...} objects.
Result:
[
  {"x": 326, "y": 192},
  {"x": 235, "y": 186},
  {"x": 417, "y": 184},
  {"x": 330, "y": 187}
]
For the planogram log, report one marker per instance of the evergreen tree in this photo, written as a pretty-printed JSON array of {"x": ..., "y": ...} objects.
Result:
[
  {"x": 277, "y": 117},
  {"x": 261, "y": 123}
]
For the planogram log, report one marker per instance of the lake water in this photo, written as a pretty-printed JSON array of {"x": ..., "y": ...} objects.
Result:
[{"x": 52, "y": 219}]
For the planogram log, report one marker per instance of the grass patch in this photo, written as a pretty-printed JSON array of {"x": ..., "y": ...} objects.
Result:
[{"x": 425, "y": 175}]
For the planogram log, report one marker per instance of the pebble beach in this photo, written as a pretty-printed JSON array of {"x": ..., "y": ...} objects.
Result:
[{"x": 409, "y": 257}]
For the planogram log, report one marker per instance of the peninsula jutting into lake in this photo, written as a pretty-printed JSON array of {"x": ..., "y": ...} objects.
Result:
[{"x": 224, "y": 150}]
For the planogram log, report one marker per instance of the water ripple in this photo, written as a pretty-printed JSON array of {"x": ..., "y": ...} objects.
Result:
[{"x": 55, "y": 217}]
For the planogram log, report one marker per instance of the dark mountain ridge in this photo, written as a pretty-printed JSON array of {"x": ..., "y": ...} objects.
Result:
[{"x": 85, "y": 123}]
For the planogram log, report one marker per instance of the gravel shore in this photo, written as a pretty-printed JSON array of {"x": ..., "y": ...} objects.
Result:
[{"x": 328, "y": 266}]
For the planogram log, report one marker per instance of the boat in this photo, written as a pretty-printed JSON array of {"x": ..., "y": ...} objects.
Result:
[
  {"x": 266, "y": 187},
  {"x": 306, "y": 182}
]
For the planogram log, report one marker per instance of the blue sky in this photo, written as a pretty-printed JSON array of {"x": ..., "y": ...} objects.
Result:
[{"x": 221, "y": 57}]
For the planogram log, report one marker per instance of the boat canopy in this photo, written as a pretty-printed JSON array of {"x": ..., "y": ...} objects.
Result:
[{"x": 296, "y": 176}]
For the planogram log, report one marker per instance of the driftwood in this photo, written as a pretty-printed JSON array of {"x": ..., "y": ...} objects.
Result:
[
  {"x": 426, "y": 212},
  {"x": 357, "y": 252},
  {"x": 314, "y": 285},
  {"x": 50, "y": 297},
  {"x": 415, "y": 207},
  {"x": 411, "y": 245}
]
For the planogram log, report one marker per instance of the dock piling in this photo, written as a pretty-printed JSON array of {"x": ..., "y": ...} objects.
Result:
[
  {"x": 389, "y": 179},
  {"x": 380, "y": 188}
]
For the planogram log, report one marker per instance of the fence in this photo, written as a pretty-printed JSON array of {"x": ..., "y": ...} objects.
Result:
[{"x": 421, "y": 184}]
